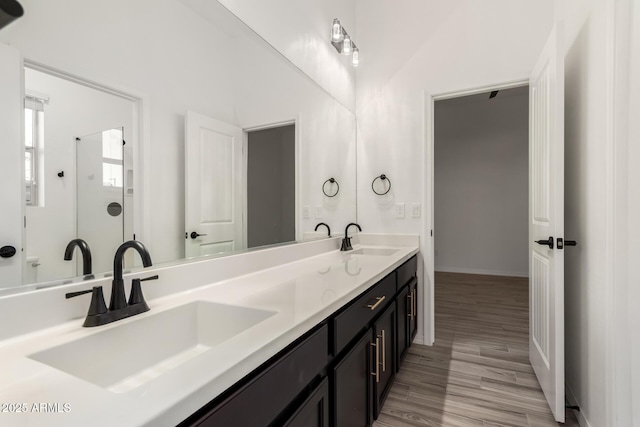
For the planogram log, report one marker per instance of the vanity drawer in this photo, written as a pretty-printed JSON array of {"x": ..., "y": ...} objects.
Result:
[
  {"x": 357, "y": 316},
  {"x": 269, "y": 392},
  {"x": 407, "y": 271}
]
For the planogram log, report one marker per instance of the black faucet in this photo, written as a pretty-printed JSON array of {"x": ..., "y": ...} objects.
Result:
[
  {"x": 118, "y": 308},
  {"x": 346, "y": 242},
  {"x": 118, "y": 298},
  {"x": 86, "y": 254},
  {"x": 326, "y": 225}
]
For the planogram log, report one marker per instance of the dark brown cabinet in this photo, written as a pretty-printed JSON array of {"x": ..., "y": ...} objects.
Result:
[
  {"x": 314, "y": 412},
  {"x": 265, "y": 394},
  {"x": 352, "y": 385}
]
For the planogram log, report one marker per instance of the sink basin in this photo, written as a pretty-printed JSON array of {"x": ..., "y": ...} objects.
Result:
[
  {"x": 127, "y": 356},
  {"x": 374, "y": 251}
]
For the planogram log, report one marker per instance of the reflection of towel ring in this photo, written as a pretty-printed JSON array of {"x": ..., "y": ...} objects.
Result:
[
  {"x": 382, "y": 177},
  {"x": 331, "y": 181}
]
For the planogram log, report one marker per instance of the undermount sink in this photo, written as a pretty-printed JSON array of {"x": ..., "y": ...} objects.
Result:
[
  {"x": 374, "y": 251},
  {"x": 125, "y": 357}
]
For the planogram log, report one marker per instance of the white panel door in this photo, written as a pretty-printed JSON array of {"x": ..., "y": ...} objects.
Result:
[
  {"x": 11, "y": 165},
  {"x": 546, "y": 222},
  {"x": 213, "y": 196}
]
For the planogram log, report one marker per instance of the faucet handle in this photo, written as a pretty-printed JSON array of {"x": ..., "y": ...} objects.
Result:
[
  {"x": 136, "y": 297},
  {"x": 75, "y": 294},
  {"x": 97, "y": 305}
]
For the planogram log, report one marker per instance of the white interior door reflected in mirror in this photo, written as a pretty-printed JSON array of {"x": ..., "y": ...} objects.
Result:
[{"x": 213, "y": 181}]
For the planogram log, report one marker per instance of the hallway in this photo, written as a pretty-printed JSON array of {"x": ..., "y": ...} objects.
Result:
[{"x": 477, "y": 373}]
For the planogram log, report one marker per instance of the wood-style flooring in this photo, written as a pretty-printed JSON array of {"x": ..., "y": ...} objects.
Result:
[{"x": 478, "y": 371}]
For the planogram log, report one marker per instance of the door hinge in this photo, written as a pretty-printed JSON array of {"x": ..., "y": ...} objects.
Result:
[{"x": 431, "y": 233}]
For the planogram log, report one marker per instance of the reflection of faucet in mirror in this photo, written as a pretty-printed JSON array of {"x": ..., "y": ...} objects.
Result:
[
  {"x": 86, "y": 254},
  {"x": 328, "y": 229},
  {"x": 346, "y": 242}
]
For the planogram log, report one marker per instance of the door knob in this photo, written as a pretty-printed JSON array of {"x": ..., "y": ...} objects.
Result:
[
  {"x": 195, "y": 235},
  {"x": 7, "y": 251},
  {"x": 548, "y": 242},
  {"x": 562, "y": 244}
]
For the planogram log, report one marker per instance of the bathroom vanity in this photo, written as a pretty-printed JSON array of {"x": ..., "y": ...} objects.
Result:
[
  {"x": 339, "y": 373},
  {"x": 296, "y": 335}
]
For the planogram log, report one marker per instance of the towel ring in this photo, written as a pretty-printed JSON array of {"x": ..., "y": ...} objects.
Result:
[
  {"x": 331, "y": 181},
  {"x": 383, "y": 178}
]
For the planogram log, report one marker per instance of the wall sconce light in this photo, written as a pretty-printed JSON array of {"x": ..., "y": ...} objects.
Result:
[
  {"x": 343, "y": 43},
  {"x": 10, "y": 10}
]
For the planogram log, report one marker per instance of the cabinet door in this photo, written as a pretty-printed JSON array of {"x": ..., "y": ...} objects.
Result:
[
  {"x": 352, "y": 385},
  {"x": 413, "y": 307},
  {"x": 402, "y": 321},
  {"x": 385, "y": 334},
  {"x": 314, "y": 412}
]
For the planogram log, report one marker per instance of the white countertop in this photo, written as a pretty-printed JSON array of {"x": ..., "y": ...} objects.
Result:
[{"x": 302, "y": 293}]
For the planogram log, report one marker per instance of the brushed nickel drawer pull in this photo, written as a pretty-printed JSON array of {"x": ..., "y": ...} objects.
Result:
[
  {"x": 378, "y": 302},
  {"x": 377, "y": 372},
  {"x": 410, "y": 303}
]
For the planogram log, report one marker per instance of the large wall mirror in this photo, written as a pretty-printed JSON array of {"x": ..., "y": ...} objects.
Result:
[{"x": 170, "y": 122}]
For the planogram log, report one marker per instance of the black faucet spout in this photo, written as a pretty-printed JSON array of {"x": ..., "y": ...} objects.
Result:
[
  {"x": 86, "y": 254},
  {"x": 346, "y": 242},
  {"x": 326, "y": 225},
  {"x": 118, "y": 298}
]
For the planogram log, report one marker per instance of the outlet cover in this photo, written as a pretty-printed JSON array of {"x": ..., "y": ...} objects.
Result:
[
  {"x": 318, "y": 212},
  {"x": 399, "y": 210},
  {"x": 306, "y": 212},
  {"x": 416, "y": 210}
]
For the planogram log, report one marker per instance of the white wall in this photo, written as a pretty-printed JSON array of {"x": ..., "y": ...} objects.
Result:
[
  {"x": 633, "y": 213},
  {"x": 153, "y": 45},
  {"x": 587, "y": 169},
  {"x": 72, "y": 111},
  {"x": 623, "y": 345},
  {"x": 434, "y": 47},
  {"x": 481, "y": 183}
]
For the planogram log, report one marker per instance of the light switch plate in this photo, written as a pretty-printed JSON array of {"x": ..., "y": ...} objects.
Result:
[
  {"x": 416, "y": 210},
  {"x": 399, "y": 210},
  {"x": 306, "y": 212},
  {"x": 318, "y": 212}
]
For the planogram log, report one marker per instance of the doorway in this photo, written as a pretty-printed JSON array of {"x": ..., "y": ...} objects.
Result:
[
  {"x": 481, "y": 183},
  {"x": 482, "y": 200},
  {"x": 271, "y": 186}
]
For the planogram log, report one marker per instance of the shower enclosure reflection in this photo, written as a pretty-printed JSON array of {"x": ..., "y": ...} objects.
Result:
[
  {"x": 78, "y": 175},
  {"x": 102, "y": 211}
]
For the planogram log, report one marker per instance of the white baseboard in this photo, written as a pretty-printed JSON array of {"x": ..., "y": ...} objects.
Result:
[
  {"x": 481, "y": 271},
  {"x": 419, "y": 339},
  {"x": 571, "y": 398}
]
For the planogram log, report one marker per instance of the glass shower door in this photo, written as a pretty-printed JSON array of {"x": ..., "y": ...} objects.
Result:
[{"x": 100, "y": 194}]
